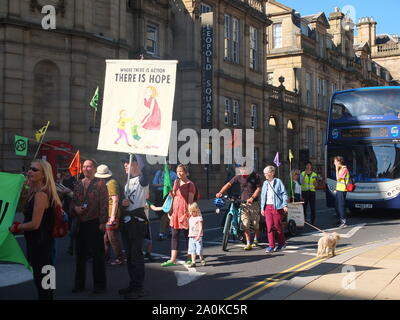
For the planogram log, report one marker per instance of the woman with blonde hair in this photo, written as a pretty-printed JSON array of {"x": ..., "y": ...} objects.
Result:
[{"x": 38, "y": 221}]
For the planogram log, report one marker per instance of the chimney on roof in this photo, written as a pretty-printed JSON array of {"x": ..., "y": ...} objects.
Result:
[{"x": 366, "y": 28}]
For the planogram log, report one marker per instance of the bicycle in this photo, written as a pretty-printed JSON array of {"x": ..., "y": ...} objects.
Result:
[{"x": 233, "y": 224}]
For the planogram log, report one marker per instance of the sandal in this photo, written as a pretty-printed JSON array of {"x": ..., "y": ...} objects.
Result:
[{"x": 168, "y": 263}]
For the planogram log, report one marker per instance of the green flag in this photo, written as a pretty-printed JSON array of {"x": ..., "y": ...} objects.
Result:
[
  {"x": 95, "y": 100},
  {"x": 10, "y": 190},
  {"x": 21, "y": 146},
  {"x": 167, "y": 181}
]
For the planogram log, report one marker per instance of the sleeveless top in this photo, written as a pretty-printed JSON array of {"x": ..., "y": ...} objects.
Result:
[{"x": 44, "y": 233}]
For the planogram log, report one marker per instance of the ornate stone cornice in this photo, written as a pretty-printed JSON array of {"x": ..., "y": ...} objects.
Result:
[{"x": 60, "y": 6}]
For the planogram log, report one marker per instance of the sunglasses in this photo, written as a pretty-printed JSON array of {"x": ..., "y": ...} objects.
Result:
[{"x": 34, "y": 169}]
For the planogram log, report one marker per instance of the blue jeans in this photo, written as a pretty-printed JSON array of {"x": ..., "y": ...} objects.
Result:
[
  {"x": 340, "y": 205},
  {"x": 195, "y": 246}
]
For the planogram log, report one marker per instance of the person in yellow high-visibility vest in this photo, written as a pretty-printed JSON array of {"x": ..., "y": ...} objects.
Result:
[
  {"x": 308, "y": 180},
  {"x": 342, "y": 180}
]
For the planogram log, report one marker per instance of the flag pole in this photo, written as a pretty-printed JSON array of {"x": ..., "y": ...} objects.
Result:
[
  {"x": 94, "y": 118},
  {"x": 130, "y": 159},
  {"x": 128, "y": 177},
  {"x": 41, "y": 141},
  {"x": 291, "y": 179}
]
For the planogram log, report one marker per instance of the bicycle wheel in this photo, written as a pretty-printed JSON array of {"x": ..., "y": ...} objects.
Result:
[{"x": 227, "y": 229}]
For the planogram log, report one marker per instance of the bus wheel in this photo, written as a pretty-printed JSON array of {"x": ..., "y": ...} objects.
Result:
[{"x": 292, "y": 228}]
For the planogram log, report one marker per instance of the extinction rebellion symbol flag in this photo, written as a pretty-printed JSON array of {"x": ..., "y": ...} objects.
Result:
[{"x": 21, "y": 146}]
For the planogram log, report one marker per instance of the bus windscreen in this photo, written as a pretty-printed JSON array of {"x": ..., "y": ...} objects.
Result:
[{"x": 371, "y": 105}]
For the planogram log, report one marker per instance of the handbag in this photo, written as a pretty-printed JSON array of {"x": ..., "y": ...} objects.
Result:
[{"x": 351, "y": 186}]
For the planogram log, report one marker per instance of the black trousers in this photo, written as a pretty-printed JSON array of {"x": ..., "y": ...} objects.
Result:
[
  {"x": 133, "y": 233},
  {"x": 175, "y": 237},
  {"x": 39, "y": 255},
  {"x": 90, "y": 240},
  {"x": 309, "y": 198}
]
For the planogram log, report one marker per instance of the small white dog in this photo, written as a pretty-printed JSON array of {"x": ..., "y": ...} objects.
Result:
[{"x": 328, "y": 241}]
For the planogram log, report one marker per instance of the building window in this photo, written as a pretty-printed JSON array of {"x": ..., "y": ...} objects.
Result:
[
  {"x": 319, "y": 94},
  {"x": 227, "y": 37},
  {"x": 254, "y": 48},
  {"x": 333, "y": 88},
  {"x": 235, "y": 41},
  {"x": 310, "y": 141},
  {"x": 322, "y": 147},
  {"x": 277, "y": 35},
  {"x": 46, "y": 95},
  {"x": 272, "y": 121},
  {"x": 204, "y": 8},
  {"x": 256, "y": 160},
  {"x": 321, "y": 44},
  {"x": 270, "y": 78},
  {"x": 290, "y": 125},
  {"x": 102, "y": 11},
  {"x": 274, "y": 137},
  {"x": 254, "y": 119},
  {"x": 235, "y": 112},
  {"x": 152, "y": 39},
  {"x": 325, "y": 94},
  {"x": 227, "y": 113},
  {"x": 309, "y": 89},
  {"x": 304, "y": 29},
  {"x": 291, "y": 136}
]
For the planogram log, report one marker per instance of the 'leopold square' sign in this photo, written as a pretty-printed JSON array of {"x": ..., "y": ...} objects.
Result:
[{"x": 207, "y": 68}]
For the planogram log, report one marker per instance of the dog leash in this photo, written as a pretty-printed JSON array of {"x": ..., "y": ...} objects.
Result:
[{"x": 314, "y": 227}]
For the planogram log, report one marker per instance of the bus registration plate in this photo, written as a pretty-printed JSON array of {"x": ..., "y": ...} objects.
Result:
[{"x": 363, "y": 205}]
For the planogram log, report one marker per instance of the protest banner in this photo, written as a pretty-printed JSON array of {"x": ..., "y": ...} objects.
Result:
[
  {"x": 137, "y": 106},
  {"x": 10, "y": 190}
]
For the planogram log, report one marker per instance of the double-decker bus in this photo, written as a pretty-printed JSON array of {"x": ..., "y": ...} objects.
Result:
[{"x": 364, "y": 127}]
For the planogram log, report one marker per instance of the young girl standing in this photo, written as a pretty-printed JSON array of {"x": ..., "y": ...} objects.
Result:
[{"x": 195, "y": 234}]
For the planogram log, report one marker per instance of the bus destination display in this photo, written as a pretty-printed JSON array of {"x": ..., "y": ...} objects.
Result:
[{"x": 381, "y": 132}]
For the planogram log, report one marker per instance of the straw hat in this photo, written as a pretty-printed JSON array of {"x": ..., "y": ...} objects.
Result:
[{"x": 103, "y": 172}]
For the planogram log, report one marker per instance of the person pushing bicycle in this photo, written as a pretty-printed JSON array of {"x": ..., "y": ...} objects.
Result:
[{"x": 250, "y": 186}]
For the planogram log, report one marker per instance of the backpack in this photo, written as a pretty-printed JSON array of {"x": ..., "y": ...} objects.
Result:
[{"x": 60, "y": 225}]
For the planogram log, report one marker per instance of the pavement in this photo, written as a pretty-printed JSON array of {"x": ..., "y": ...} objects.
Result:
[{"x": 370, "y": 272}]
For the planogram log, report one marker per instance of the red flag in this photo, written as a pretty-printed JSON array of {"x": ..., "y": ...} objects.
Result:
[{"x": 75, "y": 166}]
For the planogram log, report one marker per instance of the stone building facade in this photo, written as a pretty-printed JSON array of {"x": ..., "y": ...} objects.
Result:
[
  {"x": 384, "y": 48},
  {"x": 315, "y": 55},
  {"x": 52, "y": 74}
]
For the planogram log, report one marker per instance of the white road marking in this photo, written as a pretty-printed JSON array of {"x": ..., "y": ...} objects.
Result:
[
  {"x": 185, "y": 277},
  {"x": 309, "y": 253},
  {"x": 347, "y": 235}
]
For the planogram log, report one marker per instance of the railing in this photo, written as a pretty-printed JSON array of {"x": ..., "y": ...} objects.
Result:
[
  {"x": 256, "y": 4},
  {"x": 386, "y": 49},
  {"x": 279, "y": 93},
  {"x": 291, "y": 97},
  {"x": 274, "y": 92}
]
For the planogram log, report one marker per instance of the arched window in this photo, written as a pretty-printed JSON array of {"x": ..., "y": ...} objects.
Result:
[
  {"x": 274, "y": 137},
  {"x": 46, "y": 90}
]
